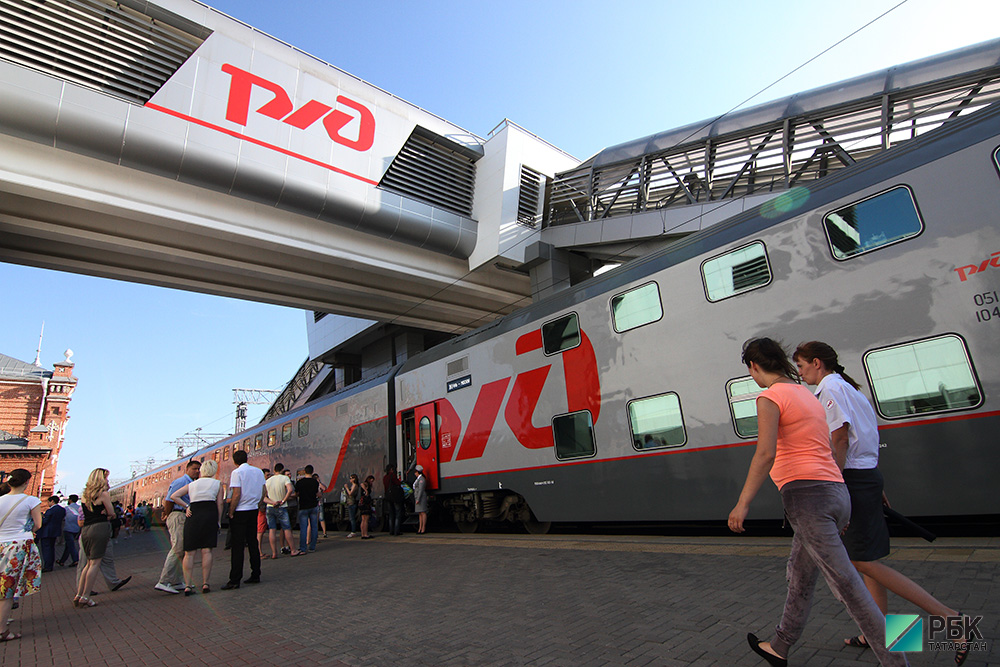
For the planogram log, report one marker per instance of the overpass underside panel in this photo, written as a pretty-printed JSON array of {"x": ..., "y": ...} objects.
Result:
[
  {"x": 192, "y": 95},
  {"x": 169, "y": 144}
]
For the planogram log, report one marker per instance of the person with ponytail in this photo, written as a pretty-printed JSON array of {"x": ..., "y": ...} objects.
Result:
[
  {"x": 853, "y": 428},
  {"x": 793, "y": 447}
]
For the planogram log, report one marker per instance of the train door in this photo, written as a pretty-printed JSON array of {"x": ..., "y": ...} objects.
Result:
[
  {"x": 427, "y": 442},
  {"x": 408, "y": 448}
]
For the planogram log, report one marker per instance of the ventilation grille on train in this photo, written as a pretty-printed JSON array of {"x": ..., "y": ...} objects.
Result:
[
  {"x": 528, "y": 196},
  {"x": 458, "y": 366},
  {"x": 127, "y": 48},
  {"x": 433, "y": 170}
]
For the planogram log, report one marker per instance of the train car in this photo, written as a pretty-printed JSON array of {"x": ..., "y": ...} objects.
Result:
[
  {"x": 346, "y": 430},
  {"x": 623, "y": 399}
]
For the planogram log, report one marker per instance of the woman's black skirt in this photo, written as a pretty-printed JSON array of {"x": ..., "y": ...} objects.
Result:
[
  {"x": 201, "y": 530},
  {"x": 867, "y": 536}
]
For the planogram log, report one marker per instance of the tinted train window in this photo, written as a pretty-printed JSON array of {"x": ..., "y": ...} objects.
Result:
[
  {"x": 246, "y": 445},
  {"x": 286, "y": 432},
  {"x": 272, "y": 437},
  {"x": 225, "y": 453},
  {"x": 561, "y": 334},
  {"x": 258, "y": 441},
  {"x": 424, "y": 436},
  {"x": 303, "y": 427},
  {"x": 933, "y": 375},
  {"x": 738, "y": 271},
  {"x": 636, "y": 307},
  {"x": 656, "y": 422},
  {"x": 574, "y": 435},
  {"x": 873, "y": 223},
  {"x": 743, "y": 393}
]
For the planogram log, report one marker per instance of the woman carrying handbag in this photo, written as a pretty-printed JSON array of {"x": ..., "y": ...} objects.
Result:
[{"x": 20, "y": 562}]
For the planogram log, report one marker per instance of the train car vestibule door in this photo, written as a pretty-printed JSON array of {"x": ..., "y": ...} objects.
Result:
[{"x": 427, "y": 442}]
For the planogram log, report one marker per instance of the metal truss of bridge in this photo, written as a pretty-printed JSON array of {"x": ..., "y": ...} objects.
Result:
[{"x": 682, "y": 180}]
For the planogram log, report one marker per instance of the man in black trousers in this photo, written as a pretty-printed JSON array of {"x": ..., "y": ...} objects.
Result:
[{"x": 247, "y": 484}]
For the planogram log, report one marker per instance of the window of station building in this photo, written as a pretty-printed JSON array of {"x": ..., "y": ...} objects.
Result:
[
  {"x": 736, "y": 272},
  {"x": 258, "y": 441},
  {"x": 303, "y": 427},
  {"x": 272, "y": 437},
  {"x": 656, "y": 422},
  {"x": 636, "y": 307},
  {"x": 743, "y": 393},
  {"x": 880, "y": 220},
  {"x": 923, "y": 377},
  {"x": 561, "y": 335},
  {"x": 286, "y": 432},
  {"x": 574, "y": 435}
]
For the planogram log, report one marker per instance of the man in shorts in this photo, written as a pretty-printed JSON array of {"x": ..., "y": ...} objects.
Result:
[{"x": 279, "y": 490}]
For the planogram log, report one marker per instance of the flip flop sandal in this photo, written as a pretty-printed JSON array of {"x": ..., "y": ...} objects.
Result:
[{"x": 856, "y": 641}]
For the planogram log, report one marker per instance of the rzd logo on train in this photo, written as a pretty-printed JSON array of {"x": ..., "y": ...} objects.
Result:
[{"x": 583, "y": 392}]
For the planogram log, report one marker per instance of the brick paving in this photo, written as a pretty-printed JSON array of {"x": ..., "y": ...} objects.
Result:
[{"x": 454, "y": 600}]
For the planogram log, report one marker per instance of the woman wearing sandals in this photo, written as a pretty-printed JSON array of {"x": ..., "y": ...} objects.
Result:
[
  {"x": 20, "y": 563},
  {"x": 854, "y": 432},
  {"x": 793, "y": 447},
  {"x": 95, "y": 534},
  {"x": 201, "y": 530}
]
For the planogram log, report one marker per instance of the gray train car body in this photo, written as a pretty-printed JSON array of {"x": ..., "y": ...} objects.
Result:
[
  {"x": 624, "y": 399},
  {"x": 339, "y": 434}
]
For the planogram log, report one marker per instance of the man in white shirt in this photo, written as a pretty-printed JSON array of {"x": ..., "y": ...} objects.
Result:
[{"x": 247, "y": 484}]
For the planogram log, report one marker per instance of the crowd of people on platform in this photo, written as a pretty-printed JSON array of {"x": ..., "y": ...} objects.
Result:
[
  {"x": 192, "y": 514},
  {"x": 821, "y": 454}
]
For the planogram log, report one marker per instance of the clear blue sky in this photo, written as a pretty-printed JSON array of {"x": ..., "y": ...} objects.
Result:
[{"x": 154, "y": 363}]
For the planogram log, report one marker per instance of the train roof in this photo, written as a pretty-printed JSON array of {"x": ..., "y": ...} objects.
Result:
[
  {"x": 961, "y": 63},
  {"x": 347, "y": 392},
  {"x": 954, "y": 135}
]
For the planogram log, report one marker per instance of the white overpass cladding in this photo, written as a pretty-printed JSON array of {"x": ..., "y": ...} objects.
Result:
[{"x": 172, "y": 145}]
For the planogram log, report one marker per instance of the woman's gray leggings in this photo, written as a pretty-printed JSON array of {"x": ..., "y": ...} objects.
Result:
[{"x": 818, "y": 511}]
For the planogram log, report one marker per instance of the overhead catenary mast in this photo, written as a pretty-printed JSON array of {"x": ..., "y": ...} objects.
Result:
[{"x": 244, "y": 397}]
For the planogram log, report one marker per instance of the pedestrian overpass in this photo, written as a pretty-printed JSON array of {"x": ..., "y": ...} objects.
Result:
[{"x": 167, "y": 143}]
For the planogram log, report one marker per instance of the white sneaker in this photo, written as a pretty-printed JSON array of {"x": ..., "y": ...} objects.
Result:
[
  {"x": 166, "y": 588},
  {"x": 351, "y": 535}
]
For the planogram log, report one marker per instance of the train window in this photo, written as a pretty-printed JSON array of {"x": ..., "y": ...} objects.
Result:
[
  {"x": 927, "y": 376},
  {"x": 225, "y": 453},
  {"x": 246, "y": 444},
  {"x": 574, "y": 435},
  {"x": 303, "y": 427},
  {"x": 873, "y": 223},
  {"x": 272, "y": 437},
  {"x": 636, "y": 307},
  {"x": 286, "y": 432},
  {"x": 735, "y": 272},
  {"x": 562, "y": 334},
  {"x": 258, "y": 441},
  {"x": 656, "y": 422},
  {"x": 424, "y": 435},
  {"x": 743, "y": 393}
]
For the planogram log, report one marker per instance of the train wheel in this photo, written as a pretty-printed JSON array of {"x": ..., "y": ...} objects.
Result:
[
  {"x": 467, "y": 526},
  {"x": 535, "y": 527}
]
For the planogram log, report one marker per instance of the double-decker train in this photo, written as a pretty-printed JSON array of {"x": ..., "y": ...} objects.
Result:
[{"x": 623, "y": 399}]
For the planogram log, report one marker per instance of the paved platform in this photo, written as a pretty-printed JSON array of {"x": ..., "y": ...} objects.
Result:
[{"x": 453, "y": 600}]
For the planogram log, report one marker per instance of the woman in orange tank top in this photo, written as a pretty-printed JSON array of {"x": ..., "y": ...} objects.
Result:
[{"x": 793, "y": 447}]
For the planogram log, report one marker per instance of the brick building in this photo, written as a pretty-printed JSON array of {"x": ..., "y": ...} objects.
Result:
[{"x": 34, "y": 408}]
